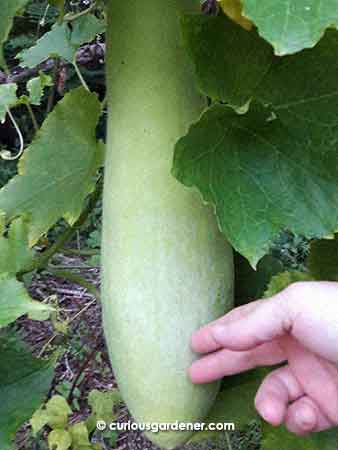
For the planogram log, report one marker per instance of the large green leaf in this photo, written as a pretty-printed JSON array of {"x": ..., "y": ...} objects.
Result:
[
  {"x": 8, "y": 10},
  {"x": 274, "y": 167},
  {"x": 55, "y": 413},
  {"x": 234, "y": 66},
  {"x": 59, "y": 166},
  {"x": 24, "y": 383},
  {"x": 62, "y": 41},
  {"x": 15, "y": 253},
  {"x": 261, "y": 175},
  {"x": 229, "y": 61},
  {"x": 15, "y": 302},
  {"x": 292, "y": 25},
  {"x": 279, "y": 438}
]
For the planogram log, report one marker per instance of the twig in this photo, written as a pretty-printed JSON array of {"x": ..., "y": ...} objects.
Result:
[
  {"x": 84, "y": 309},
  {"x": 50, "y": 340},
  {"x": 81, "y": 370},
  {"x": 32, "y": 116},
  {"x": 75, "y": 251},
  {"x": 82, "y": 267}
]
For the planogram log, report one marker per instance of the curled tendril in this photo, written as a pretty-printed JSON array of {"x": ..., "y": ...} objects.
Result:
[{"x": 7, "y": 155}]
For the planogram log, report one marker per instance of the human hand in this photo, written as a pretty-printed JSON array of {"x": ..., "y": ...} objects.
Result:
[{"x": 298, "y": 326}]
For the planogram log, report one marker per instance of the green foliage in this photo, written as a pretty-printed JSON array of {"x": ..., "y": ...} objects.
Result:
[
  {"x": 260, "y": 169},
  {"x": 283, "y": 280},
  {"x": 323, "y": 259},
  {"x": 251, "y": 284},
  {"x": 8, "y": 98},
  {"x": 57, "y": 168},
  {"x": 292, "y": 250},
  {"x": 24, "y": 382},
  {"x": 80, "y": 437},
  {"x": 15, "y": 302},
  {"x": 8, "y": 10},
  {"x": 102, "y": 406},
  {"x": 64, "y": 436},
  {"x": 234, "y": 9},
  {"x": 60, "y": 4},
  {"x": 7, "y": 171},
  {"x": 267, "y": 163},
  {"x": 291, "y": 26},
  {"x": 36, "y": 86},
  {"x": 62, "y": 41},
  {"x": 281, "y": 439},
  {"x": 15, "y": 256},
  {"x": 14, "y": 250},
  {"x": 19, "y": 42},
  {"x": 228, "y": 72},
  {"x": 59, "y": 439},
  {"x": 41, "y": 13},
  {"x": 55, "y": 414},
  {"x": 234, "y": 402}
]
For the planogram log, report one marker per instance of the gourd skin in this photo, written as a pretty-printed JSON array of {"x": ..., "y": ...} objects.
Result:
[{"x": 166, "y": 268}]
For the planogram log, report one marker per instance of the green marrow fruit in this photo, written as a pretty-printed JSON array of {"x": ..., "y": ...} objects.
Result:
[{"x": 167, "y": 270}]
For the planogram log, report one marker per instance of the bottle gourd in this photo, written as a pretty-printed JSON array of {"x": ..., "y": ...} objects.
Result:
[{"x": 167, "y": 270}]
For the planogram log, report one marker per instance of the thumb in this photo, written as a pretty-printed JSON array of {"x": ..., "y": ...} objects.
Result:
[{"x": 255, "y": 324}]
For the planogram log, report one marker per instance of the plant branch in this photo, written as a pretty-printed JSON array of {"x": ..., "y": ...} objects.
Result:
[
  {"x": 32, "y": 116},
  {"x": 80, "y": 372}
]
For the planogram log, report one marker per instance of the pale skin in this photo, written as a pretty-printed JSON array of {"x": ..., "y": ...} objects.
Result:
[{"x": 297, "y": 327}]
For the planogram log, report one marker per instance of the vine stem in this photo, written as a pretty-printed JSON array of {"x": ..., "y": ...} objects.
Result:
[
  {"x": 6, "y": 155},
  {"x": 80, "y": 372},
  {"x": 32, "y": 116},
  {"x": 79, "y": 74},
  {"x": 71, "y": 17}
]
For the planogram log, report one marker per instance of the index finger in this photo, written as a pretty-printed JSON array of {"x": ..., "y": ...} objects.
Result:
[{"x": 203, "y": 341}]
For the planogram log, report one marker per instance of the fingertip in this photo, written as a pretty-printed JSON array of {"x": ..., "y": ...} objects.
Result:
[
  {"x": 202, "y": 341},
  {"x": 306, "y": 418},
  {"x": 196, "y": 373},
  {"x": 302, "y": 417},
  {"x": 270, "y": 407}
]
